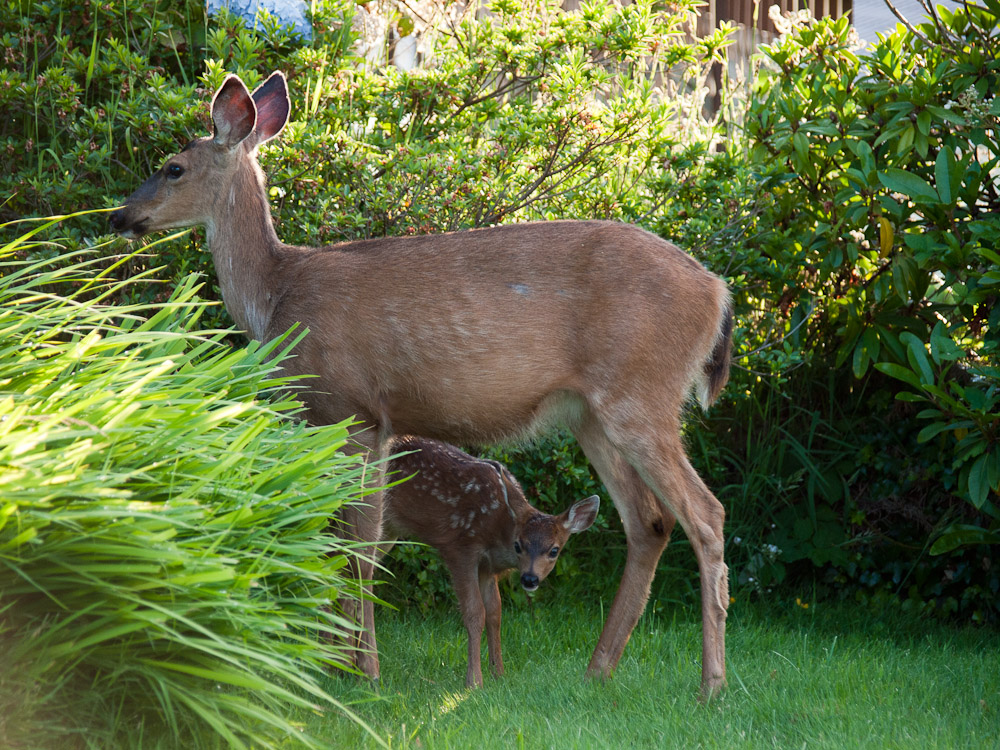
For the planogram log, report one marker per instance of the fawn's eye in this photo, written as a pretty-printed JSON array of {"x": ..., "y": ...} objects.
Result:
[
  {"x": 174, "y": 171},
  {"x": 554, "y": 553},
  {"x": 517, "y": 548}
]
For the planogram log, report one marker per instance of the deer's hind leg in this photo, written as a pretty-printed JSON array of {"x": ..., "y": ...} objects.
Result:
[
  {"x": 654, "y": 448},
  {"x": 702, "y": 517},
  {"x": 647, "y": 530}
]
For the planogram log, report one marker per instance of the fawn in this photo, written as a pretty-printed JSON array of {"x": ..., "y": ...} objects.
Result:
[
  {"x": 473, "y": 512},
  {"x": 476, "y": 337}
]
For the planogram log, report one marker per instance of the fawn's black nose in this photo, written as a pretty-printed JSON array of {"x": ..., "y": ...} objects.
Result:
[{"x": 529, "y": 581}]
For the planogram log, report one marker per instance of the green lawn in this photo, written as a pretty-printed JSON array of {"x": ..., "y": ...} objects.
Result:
[{"x": 819, "y": 677}]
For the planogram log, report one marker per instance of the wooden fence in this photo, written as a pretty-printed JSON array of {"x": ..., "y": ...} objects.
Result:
[{"x": 749, "y": 14}]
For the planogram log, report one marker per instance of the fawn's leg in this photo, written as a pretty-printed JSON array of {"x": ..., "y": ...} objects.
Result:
[
  {"x": 488, "y": 586},
  {"x": 465, "y": 579}
]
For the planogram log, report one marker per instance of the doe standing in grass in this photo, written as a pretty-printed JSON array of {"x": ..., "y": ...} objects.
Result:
[{"x": 475, "y": 337}]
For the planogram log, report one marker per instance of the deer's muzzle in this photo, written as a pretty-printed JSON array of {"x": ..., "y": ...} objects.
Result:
[{"x": 127, "y": 228}]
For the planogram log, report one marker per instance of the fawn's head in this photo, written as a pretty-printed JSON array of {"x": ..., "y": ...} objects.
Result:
[
  {"x": 186, "y": 190},
  {"x": 539, "y": 538}
]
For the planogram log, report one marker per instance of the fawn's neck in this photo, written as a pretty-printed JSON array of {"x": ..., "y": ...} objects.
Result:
[{"x": 501, "y": 552}]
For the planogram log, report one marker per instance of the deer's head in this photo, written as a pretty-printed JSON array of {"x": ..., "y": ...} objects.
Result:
[
  {"x": 539, "y": 538},
  {"x": 193, "y": 185}
]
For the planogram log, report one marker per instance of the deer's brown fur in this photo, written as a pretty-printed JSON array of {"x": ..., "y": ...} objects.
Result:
[
  {"x": 474, "y": 513},
  {"x": 472, "y": 337}
]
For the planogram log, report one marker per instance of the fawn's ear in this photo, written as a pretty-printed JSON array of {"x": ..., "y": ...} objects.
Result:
[
  {"x": 233, "y": 112},
  {"x": 582, "y": 515},
  {"x": 273, "y": 107}
]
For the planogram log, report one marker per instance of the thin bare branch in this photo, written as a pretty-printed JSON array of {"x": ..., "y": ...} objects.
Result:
[
  {"x": 771, "y": 344},
  {"x": 906, "y": 23}
]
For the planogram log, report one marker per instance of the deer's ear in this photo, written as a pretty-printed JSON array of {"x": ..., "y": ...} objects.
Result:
[
  {"x": 233, "y": 112},
  {"x": 273, "y": 106},
  {"x": 582, "y": 515}
]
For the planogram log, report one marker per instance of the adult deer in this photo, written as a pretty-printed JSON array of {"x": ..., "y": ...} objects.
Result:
[
  {"x": 478, "y": 336},
  {"x": 474, "y": 513}
]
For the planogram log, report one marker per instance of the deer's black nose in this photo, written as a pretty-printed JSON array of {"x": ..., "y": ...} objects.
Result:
[
  {"x": 529, "y": 581},
  {"x": 117, "y": 220}
]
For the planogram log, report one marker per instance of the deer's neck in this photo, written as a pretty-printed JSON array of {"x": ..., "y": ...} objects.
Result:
[
  {"x": 502, "y": 555},
  {"x": 501, "y": 551},
  {"x": 246, "y": 250}
]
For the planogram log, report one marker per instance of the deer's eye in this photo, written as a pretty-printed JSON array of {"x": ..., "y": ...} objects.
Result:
[
  {"x": 517, "y": 548},
  {"x": 174, "y": 171},
  {"x": 554, "y": 553}
]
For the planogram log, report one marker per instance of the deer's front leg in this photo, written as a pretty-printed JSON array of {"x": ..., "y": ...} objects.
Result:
[
  {"x": 363, "y": 523},
  {"x": 465, "y": 579},
  {"x": 491, "y": 602}
]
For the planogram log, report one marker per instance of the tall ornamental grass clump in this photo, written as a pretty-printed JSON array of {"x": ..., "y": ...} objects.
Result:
[{"x": 165, "y": 566}]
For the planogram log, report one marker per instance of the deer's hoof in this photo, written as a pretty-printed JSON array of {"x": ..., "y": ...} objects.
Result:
[{"x": 711, "y": 688}]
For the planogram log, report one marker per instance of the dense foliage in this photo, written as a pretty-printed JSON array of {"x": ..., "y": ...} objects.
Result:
[
  {"x": 879, "y": 240},
  {"x": 160, "y": 549}
]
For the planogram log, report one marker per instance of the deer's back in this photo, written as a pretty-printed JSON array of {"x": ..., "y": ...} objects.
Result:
[
  {"x": 453, "y": 501},
  {"x": 471, "y": 336}
]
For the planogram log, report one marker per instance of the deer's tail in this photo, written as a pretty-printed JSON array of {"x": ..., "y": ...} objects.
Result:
[{"x": 716, "y": 368}]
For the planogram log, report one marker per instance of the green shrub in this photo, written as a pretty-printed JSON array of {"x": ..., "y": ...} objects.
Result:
[
  {"x": 881, "y": 164},
  {"x": 878, "y": 246},
  {"x": 528, "y": 113},
  {"x": 163, "y": 544}
]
